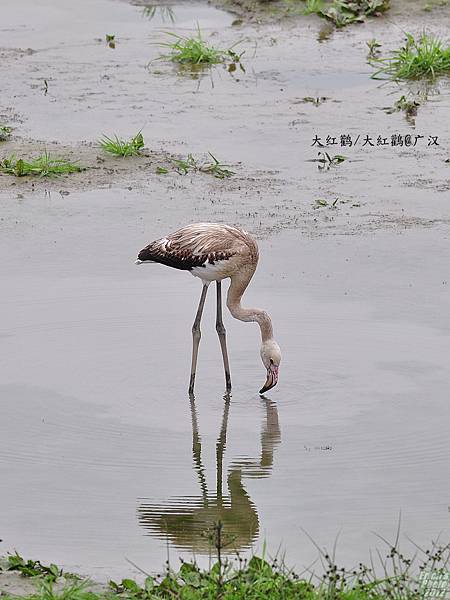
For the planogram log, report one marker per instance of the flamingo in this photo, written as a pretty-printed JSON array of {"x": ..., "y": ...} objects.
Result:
[{"x": 213, "y": 252}]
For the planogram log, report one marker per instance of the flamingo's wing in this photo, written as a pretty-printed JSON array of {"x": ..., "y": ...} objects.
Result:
[{"x": 193, "y": 246}]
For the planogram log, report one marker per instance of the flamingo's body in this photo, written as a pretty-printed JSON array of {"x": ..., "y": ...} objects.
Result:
[{"x": 212, "y": 252}]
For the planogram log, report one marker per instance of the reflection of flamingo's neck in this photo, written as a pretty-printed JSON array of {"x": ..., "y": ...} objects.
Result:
[{"x": 241, "y": 504}]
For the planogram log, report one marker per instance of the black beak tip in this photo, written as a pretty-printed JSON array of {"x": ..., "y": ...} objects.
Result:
[{"x": 266, "y": 388}]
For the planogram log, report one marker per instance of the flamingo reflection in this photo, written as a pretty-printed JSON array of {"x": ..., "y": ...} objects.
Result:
[{"x": 184, "y": 521}]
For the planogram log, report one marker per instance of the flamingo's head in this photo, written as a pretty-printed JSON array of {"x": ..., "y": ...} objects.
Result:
[{"x": 271, "y": 357}]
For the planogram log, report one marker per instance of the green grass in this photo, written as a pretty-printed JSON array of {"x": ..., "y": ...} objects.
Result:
[
  {"x": 196, "y": 51},
  {"x": 119, "y": 147},
  {"x": 432, "y": 4},
  {"x": 5, "y": 133},
  {"x": 314, "y": 6},
  {"x": 185, "y": 165},
  {"x": 110, "y": 40},
  {"x": 391, "y": 575},
  {"x": 424, "y": 57},
  {"x": 32, "y": 568},
  {"x": 317, "y": 101},
  {"x": 408, "y": 106},
  {"x": 326, "y": 161},
  {"x": 216, "y": 168},
  {"x": 165, "y": 12},
  {"x": 374, "y": 48},
  {"x": 43, "y": 166},
  {"x": 345, "y": 12},
  {"x": 192, "y": 50}
]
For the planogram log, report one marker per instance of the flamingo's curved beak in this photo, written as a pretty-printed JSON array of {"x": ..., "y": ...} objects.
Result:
[{"x": 272, "y": 379}]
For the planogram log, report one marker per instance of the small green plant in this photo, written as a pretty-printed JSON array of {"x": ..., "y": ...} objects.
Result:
[
  {"x": 32, "y": 568},
  {"x": 234, "y": 60},
  {"x": 42, "y": 166},
  {"x": 345, "y": 12},
  {"x": 165, "y": 12},
  {"x": 119, "y": 147},
  {"x": 110, "y": 40},
  {"x": 374, "y": 48},
  {"x": 216, "y": 169},
  {"x": 425, "y": 57},
  {"x": 5, "y": 133},
  {"x": 183, "y": 166},
  {"x": 192, "y": 50},
  {"x": 316, "y": 101},
  {"x": 75, "y": 589},
  {"x": 320, "y": 202},
  {"x": 313, "y": 6},
  {"x": 326, "y": 160},
  {"x": 432, "y": 4},
  {"x": 408, "y": 106},
  {"x": 391, "y": 575},
  {"x": 195, "y": 51}
]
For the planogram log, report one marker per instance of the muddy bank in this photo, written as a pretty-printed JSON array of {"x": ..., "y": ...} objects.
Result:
[
  {"x": 99, "y": 169},
  {"x": 262, "y": 122},
  {"x": 269, "y": 11},
  {"x": 14, "y": 584}
]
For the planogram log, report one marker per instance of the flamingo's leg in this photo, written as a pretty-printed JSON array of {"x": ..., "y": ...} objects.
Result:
[
  {"x": 220, "y": 328},
  {"x": 196, "y": 335}
]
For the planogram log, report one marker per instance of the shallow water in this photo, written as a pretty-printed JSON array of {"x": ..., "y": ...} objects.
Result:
[{"x": 103, "y": 456}]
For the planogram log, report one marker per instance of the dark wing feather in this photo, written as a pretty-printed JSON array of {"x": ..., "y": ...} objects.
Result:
[{"x": 193, "y": 246}]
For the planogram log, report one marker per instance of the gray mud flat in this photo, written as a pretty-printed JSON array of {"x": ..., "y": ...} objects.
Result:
[{"x": 103, "y": 456}]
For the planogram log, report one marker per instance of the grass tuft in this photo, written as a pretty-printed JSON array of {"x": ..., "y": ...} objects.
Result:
[
  {"x": 119, "y": 147},
  {"x": 165, "y": 12},
  {"x": 391, "y": 575},
  {"x": 217, "y": 169},
  {"x": 314, "y": 6},
  {"x": 326, "y": 161},
  {"x": 70, "y": 590},
  {"x": 5, "y": 133},
  {"x": 195, "y": 51},
  {"x": 345, "y": 12},
  {"x": 32, "y": 568},
  {"x": 185, "y": 165},
  {"x": 42, "y": 166},
  {"x": 374, "y": 48},
  {"x": 192, "y": 50},
  {"x": 425, "y": 57},
  {"x": 110, "y": 40},
  {"x": 409, "y": 106}
]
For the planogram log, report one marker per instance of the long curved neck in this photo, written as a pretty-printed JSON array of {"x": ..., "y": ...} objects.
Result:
[{"x": 236, "y": 290}]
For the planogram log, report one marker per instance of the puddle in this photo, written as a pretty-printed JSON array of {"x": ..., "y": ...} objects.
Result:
[
  {"x": 237, "y": 116},
  {"x": 102, "y": 455}
]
